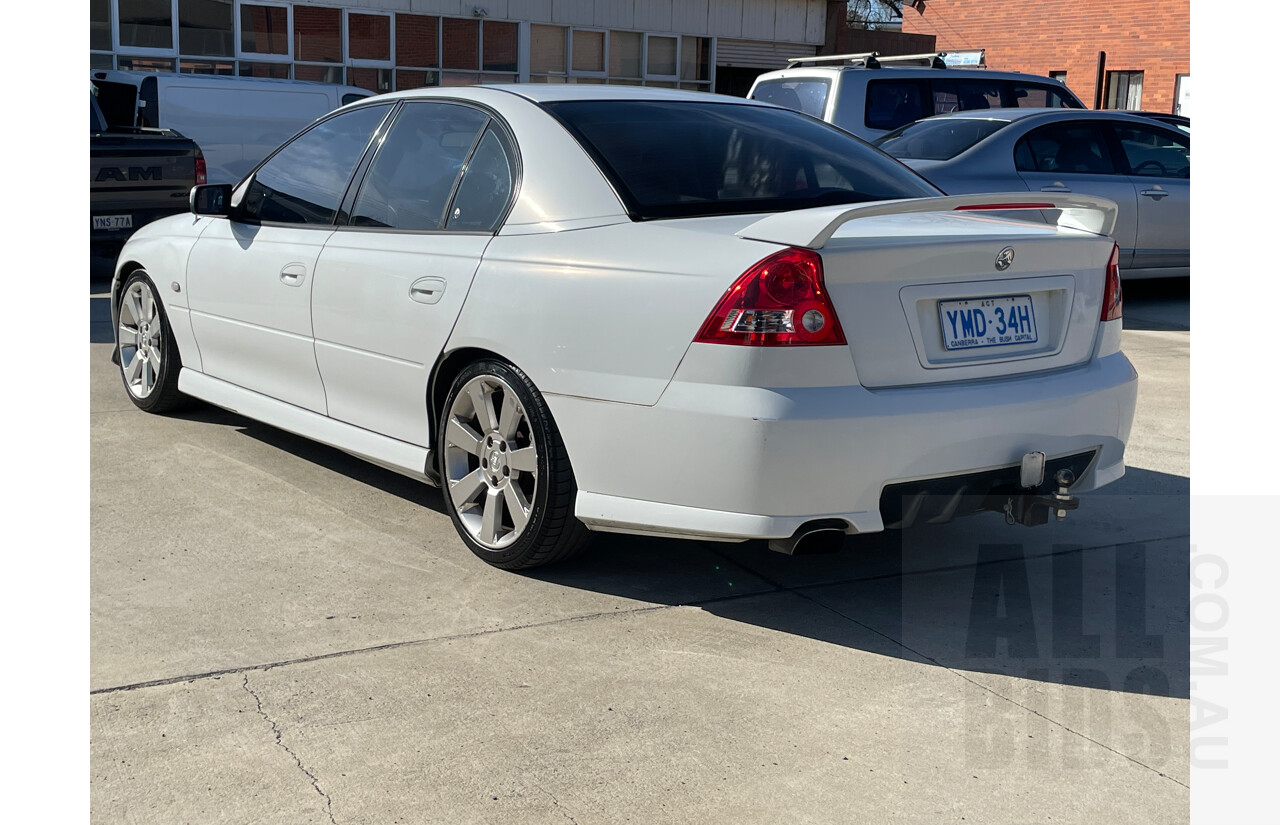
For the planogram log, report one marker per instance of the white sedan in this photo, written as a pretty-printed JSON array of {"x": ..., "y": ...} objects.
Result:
[{"x": 584, "y": 309}]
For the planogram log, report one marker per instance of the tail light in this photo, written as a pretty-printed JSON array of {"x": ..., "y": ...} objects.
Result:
[
  {"x": 781, "y": 301},
  {"x": 201, "y": 176},
  {"x": 1112, "y": 298}
]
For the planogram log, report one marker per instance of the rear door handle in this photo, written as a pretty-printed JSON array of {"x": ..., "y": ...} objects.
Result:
[
  {"x": 427, "y": 290},
  {"x": 1057, "y": 187},
  {"x": 1157, "y": 193},
  {"x": 293, "y": 274}
]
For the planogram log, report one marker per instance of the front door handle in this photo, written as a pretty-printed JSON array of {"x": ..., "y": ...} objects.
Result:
[
  {"x": 1156, "y": 192},
  {"x": 1056, "y": 187},
  {"x": 293, "y": 274},
  {"x": 427, "y": 290}
]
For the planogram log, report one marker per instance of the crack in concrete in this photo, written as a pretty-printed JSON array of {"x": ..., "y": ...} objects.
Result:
[{"x": 275, "y": 729}]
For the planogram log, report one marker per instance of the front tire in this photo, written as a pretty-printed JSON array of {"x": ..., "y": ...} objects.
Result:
[
  {"x": 145, "y": 349},
  {"x": 505, "y": 474}
]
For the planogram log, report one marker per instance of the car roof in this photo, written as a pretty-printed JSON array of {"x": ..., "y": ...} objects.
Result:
[
  {"x": 922, "y": 71},
  {"x": 557, "y": 92},
  {"x": 1014, "y": 115}
]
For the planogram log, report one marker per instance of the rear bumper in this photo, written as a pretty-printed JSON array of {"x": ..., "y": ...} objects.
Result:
[{"x": 733, "y": 462}]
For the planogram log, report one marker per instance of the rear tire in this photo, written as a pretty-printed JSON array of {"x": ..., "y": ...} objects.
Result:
[
  {"x": 504, "y": 471},
  {"x": 145, "y": 349}
]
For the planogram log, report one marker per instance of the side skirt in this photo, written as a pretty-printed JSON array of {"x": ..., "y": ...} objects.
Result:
[{"x": 389, "y": 453}]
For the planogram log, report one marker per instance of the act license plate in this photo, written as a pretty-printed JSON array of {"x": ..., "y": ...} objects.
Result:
[
  {"x": 987, "y": 322},
  {"x": 113, "y": 221}
]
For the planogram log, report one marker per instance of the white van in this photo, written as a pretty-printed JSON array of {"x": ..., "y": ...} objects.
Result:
[{"x": 236, "y": 121}]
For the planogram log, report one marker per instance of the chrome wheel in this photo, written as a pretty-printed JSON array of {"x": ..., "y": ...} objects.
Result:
[
  {"x": 141, "y": 340},
  {"x": 490, "y": 461}
]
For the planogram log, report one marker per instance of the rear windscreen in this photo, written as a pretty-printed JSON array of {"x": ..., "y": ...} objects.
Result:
[
  {"x": 808, "y": 95},
  {"x": 938, "y": 138},
  {"x": 670, "y": 159}
]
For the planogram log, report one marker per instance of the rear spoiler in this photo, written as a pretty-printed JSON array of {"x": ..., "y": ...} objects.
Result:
[{"x": 812, "y": 228}]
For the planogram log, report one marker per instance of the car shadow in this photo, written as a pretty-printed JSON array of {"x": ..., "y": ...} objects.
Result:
[
  {"x": 1158, "y": 304},
  {"x": 1099, "y": 601}
]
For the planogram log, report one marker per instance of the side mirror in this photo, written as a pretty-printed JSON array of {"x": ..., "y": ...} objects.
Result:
[{"x": 211, "y": 199}]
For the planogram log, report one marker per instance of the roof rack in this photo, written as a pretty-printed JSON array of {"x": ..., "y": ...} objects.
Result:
[{"x": 975, "y": 58}]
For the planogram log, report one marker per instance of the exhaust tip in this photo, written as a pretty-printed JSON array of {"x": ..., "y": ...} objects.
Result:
[{"x": 812, "y": 539}]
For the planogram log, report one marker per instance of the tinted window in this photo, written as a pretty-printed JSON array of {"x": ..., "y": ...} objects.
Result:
[
  {"x": 1031, "y": 95},
  {"x": 413, "y": 174},
  {"x": 937, "y": 139},
  {"x": 486, "y": 186},
  {"x": 1155, "y": 152},
  {"x": 677, "y": 159},
  {"x": 304, "y": 182},
  {"x": 1065, "y": 147},
  {"x": 965, "y": 95},
  {"x": 894, "y": 103},
  {"x": 808, "y": 95}
]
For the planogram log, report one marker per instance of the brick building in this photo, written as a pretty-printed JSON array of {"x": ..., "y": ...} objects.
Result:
[
  {"x": 386, "y": 45},
  {"x": 1148, "y": 48}
]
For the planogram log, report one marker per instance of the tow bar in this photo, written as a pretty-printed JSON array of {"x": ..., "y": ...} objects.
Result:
[{"x": 1032, "y": 510}]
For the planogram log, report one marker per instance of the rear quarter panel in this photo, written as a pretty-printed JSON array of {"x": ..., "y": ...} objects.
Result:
[{"x": 604, "y": 313}]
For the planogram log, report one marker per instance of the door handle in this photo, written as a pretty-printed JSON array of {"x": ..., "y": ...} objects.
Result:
[
  {"x": 293, "y": 274},
  {"x": 1056, "y": 187},
  {"x": 1156, "y": 193},
  {"x": 427, "y": 290}
]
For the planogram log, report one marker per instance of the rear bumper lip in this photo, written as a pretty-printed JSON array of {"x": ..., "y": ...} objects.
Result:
[{"x": 734, "y": 462}]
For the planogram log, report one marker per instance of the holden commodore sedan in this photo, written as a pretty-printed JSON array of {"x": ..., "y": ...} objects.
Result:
[
  {"x": 1142, "y": 165},
  {"x": 644, "y": 311}
]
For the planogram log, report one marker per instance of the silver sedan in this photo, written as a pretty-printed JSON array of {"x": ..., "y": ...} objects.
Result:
[{"x": 1144, "y": 166}]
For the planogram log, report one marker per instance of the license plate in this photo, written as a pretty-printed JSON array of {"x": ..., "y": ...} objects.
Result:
[
  {"x": 988, "y": 322},
  {"x": 113, "y": 221}
]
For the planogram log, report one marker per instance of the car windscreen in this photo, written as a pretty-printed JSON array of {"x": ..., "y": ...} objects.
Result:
[
  {"x": 808, "y": 95},
  {"x": 937, "y": 138},
  {"x": 672, "y": 159}
]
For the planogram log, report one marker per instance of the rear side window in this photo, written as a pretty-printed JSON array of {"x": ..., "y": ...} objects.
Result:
[
  {"x": 965, "y": 95},
  {"x": 808, "y": 95},
  {"x": 486, "y": 186},
  {"x": 1079, "y": 148},
  {"x": 413, "y": 175},
  {"x": 303, "y": 183},
  {"x": 1033, "y": 95},
  {"x": 672, "y": 159},
  {"x": 894, "y": 103},
  {"x": 937, "y": 139}
]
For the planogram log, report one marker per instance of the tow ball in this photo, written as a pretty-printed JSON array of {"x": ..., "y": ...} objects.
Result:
[{"x": 1032, "y": 510}]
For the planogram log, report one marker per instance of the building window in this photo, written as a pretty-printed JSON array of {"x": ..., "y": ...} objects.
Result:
[
  {"x": 146, "y": 24},
  {"x": 264, "y": 29},
  {"x": 588, "y": 52},
  {"x": 695, "y": 63},
  {"x": 1124, "y": 90},
  {"x": 368, "y": 36},
  {"x": 1061, "y": 77},
  {"x": 100, "y": 25},
  {"x": 547, "y": 53},
  {"x": 501, "y": 47},
  {"x": 317, "y": 34},
  {"x": 204, "y": 28}
]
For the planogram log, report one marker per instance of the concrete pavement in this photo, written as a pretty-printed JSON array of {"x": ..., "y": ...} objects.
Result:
[{"x": 283, "y": 633}]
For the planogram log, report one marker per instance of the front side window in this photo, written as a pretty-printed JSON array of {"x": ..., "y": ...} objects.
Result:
[
  {"x": 303, "y": 183},
  {"x": 1155, "y": 152},
  {"x": 676, "y": 159},
  {"x": 808, "y": 95},
  {"x": 1075, "y": 148},
  {"x": 413, "y": 175}
]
